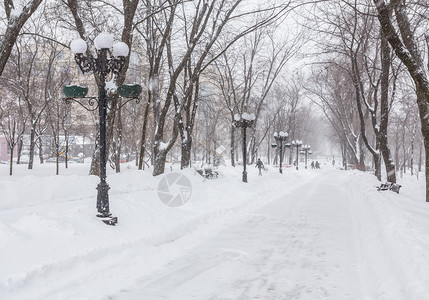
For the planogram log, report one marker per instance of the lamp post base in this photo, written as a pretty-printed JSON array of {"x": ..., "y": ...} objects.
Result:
[
  {"x": 109, "y": 220},
  {"x": 245, "y": 176},
  {"x": 103, "y": 200}
]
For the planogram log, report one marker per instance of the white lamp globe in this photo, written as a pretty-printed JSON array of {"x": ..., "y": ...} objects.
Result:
[
  {"x": 103, "y": 41},
  {"x": 252, "y": 117},
  {"x": 120, "y": 49},
  {"x": 245, "y": 116},
  {"x": 237, "y": 117},
  {"x": 78, "y": 46},
  {"x": 275, "y": 134}
]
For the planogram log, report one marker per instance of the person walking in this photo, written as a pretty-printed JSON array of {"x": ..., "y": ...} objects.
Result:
[{"x": 260, "y": 166}]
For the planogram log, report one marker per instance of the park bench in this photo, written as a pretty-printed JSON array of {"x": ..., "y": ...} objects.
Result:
[
  {"x": 208, "y": 173},
  {"x": 394, "y": 187}
]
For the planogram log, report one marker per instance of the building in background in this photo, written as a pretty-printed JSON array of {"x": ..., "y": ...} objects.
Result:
[{"x": 4, "y": 150}]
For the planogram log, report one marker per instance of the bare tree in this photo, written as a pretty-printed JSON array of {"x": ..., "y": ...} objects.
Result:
[
  {"x": 368, "y": 62},
  {"x": 11, "y": 124},
  {"x": 16, "y": 18},
  {"x": 331, "y": 87},
  {"x": 408, "y": 51},
  {"x": 201, "y": 22}
]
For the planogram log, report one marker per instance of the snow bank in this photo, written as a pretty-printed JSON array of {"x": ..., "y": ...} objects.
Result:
[{"x": 53, "y": 245}]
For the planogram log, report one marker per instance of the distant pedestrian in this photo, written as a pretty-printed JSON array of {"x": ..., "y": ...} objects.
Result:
[
  {"x": 260, "y": 166},
  {"x": 312, "y": 164},
  {"x": 317, "y": 165}
]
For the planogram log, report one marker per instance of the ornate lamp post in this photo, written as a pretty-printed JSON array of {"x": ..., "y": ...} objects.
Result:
[
  {"x": 280, "y": 137},
  {"x": 297, "y": 144},
  {"x": 244, "y": 121},
  {"x": 306, "y": 151},
  {"x": 105, "y": 63}
]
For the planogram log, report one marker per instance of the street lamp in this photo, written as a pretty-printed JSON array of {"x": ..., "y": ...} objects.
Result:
[
  {"x": 110, "y": 60},
  {"x": 296, "y": 144},
  {"x": 306, "y": 151},
  {"x": 280, "y": 137},
  {"x": 244, "y": 121}
]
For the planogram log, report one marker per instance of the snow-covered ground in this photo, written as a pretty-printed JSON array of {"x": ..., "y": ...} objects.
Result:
[{"x": 307, "y": 234}]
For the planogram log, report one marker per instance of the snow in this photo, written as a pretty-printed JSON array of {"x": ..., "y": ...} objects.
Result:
[
  {"x": 249, "y": 117},
  {"x": 103, "y": 41},
  {"x": 307, "y": 234},
  {"x": 80, "y": 140},
  {"x": 111, "y": 86},
  {"x": 15, "y": 13},
  {"x": 120, "y": 49},
  {"x": 163, "y": 146},
  {"x": 283, "y": 134},
  {"x": 153, "y": 84},
  {"x": 78, "y": 46}
]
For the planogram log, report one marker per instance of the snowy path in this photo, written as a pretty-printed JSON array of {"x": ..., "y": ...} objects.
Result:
[{"x": 300, "y": 246}]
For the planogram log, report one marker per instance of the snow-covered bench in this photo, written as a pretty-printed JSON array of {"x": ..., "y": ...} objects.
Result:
[
  {"x": 394, "y": 187},
  {"x": 208, "y": 173}
]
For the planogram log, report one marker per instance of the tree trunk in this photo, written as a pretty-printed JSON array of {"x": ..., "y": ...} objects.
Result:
[
  {"x": 95, "y": 162},
  {"x": 32, "y": 146},
  {"x": 118, "y": 143},
  {"x": 386, "y": 59},
  {"x": 57, "y": 152},
  {"x": 66, "y": 153},
  {"x": 186, "y": 147},
  {"x": 377, "y": 166},
  {"x": 388, "y": 162},
  {"x": 344, "y": 154},
  {"x": 40, "y": 146},
  {"x": 361, "y": 162},
  {"x": 159, "y": 162},
  {"x": 11, "y": 160},
  {"x": 57, "y": 163},
  {"x": 232, "y": 147},
  {"x": 20, "y": 145},
  {"x": 143, "y": 138},
  {"x": 269, "y": 150}
]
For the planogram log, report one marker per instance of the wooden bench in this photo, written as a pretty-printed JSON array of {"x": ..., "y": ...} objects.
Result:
[
  {"x": 208, "y": 173},
  {"x": 394, "y": 187}
]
